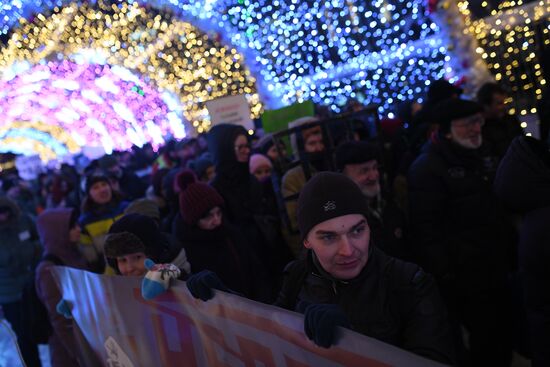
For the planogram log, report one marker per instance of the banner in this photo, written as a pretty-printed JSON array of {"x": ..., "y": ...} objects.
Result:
[
  {"x": 176, "y": 329},
  {"x": 230, "y": 110}
]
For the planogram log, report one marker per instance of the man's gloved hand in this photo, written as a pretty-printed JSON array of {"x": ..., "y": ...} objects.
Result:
[
  {"x": 64, "y": 309},
  {"x": 201, "y": 284},
  {"x": 321, "y": 322},
  {"x": 157, "y": 280}
]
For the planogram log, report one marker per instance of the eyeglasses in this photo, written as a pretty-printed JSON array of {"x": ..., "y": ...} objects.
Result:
[
  {"x": 469, "y": 122},
  {"x": 242, "y": 147}
]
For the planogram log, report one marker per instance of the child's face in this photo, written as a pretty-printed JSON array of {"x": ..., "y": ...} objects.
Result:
[{"x": 132, "y": 264}]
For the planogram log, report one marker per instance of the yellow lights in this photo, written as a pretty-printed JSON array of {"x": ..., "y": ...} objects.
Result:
[
  {"x": 508, "y": 45},
  {"x": 524, "y": 125},
  {"x": 170, "y": 54}
]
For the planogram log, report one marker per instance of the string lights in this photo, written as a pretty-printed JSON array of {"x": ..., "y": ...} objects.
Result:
[
  {"x": 114, "y": 74},
  {"x": 511, "y": 38},
  {"x": 378, "y": 51}
]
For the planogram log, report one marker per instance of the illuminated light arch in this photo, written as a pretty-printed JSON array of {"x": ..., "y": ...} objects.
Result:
[
  {"x": 170, "y": 66},
  {"x": 377, "y": 51},
  {"x": 56, "y": 132}
]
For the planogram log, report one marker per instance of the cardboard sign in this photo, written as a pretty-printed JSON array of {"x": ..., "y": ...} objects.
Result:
[
  {"x": 175, "y": 329},
  {"x": 230, "y": 110}
]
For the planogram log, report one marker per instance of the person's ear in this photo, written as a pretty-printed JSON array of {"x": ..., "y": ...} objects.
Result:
[{"x": 307, "y": 244}]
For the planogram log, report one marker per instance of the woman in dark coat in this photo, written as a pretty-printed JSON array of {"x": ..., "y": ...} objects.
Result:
[{"x": 246, "y": 206}]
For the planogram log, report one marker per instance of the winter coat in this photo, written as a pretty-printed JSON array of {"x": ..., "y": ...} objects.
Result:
[
  {"x": 95, "y": 226},
  {"x": 19, "y": 252},
  {"x": 53, "y": 227},
  {"x": 390, "y": 300},
  {"x": 461, "y": 235},
  {"x": 227, "y": 254},
  {"x": 523, "y": 183},
  {"x": 389, "y": 228}
]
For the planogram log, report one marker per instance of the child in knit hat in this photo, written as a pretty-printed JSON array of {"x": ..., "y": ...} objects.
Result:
[
  {"x": 210, "y": 242},
  {"x": 125, "y": 253},
  {"x": 135, "y": 247}
]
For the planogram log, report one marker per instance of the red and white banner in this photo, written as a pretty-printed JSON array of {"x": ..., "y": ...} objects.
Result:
[{"x": 122, "y": 329}]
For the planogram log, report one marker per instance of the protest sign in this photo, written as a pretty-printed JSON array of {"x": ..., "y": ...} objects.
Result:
[
  {"x": 230, "y": 110},
  {"x": 277, "y": 120},
  {"x": 175, "y": 329}
]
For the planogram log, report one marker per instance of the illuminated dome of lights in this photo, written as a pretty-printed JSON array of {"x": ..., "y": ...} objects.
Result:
[
  {"x": 276, "y": 52},
  {"x": 114, "y": 76}
]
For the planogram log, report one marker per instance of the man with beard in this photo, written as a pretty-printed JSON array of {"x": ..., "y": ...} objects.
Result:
[
  {"x": 310, "y": 142},
  {"x": 358, "y": 160},
  {"x": 461, "y": 235}
]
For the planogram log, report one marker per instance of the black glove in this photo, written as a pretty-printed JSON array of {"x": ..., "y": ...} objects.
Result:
[
  {"x": 321, "y": 322},
  {"x": 201, "y": 284}
]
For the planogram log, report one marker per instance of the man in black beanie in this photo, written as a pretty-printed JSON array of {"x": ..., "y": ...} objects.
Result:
[
  {"x": 461, "y": 235},
  {"x": 344, "y": 281},
  {"x": 358, "y": 160}
]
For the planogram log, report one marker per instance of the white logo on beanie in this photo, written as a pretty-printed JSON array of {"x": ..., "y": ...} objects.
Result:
[{"x": 330, "y": 205}]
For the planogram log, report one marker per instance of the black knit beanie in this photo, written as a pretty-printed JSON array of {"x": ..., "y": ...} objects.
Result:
[
  {"x": 454, "y": 109},
  {"x": 354, "y": 152},
  {"x": 93, "y": 178},
  {"x": 328, "y": 195},
  {"x": 146, "y": 229}
]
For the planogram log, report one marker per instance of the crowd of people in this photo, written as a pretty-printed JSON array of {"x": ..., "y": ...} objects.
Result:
[{"x": 428, "y": 235}]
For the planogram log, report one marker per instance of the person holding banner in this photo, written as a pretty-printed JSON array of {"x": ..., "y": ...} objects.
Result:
[
  {"x": 346, "y": 282},
  {"x": 59, "y": 233}
]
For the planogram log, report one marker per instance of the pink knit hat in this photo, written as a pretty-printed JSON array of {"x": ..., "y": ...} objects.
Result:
[{"x": 258, "y": 160}]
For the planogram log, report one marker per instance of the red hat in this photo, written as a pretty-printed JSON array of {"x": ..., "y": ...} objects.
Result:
[{"x": 196, "y": 198}]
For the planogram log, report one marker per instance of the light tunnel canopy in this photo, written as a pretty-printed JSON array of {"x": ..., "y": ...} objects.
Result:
[
  {"x": 90, "y": 104},
  {"x": 96, "y": 75}
]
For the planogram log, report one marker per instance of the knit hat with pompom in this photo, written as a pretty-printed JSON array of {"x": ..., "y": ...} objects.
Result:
[{"x": 196, "y": 198}]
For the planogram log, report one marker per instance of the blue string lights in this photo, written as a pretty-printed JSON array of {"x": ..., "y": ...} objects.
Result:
[{"x": 380, "y": 51}]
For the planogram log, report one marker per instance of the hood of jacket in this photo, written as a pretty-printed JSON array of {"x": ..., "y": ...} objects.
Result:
[
  {"x": 53, "y": 229},
  {"x": 221, "y": 144}
]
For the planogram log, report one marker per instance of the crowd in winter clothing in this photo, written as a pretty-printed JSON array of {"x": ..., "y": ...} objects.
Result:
[{"x": 442, "y": 211}]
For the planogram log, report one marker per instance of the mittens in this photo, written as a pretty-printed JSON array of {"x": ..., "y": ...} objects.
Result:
[
  {"x": 64, "y": 309},
  {"x": 201, "y": 284},
  {"x": 321, "y": 322},
  {"x": 157, "y": 280}
]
